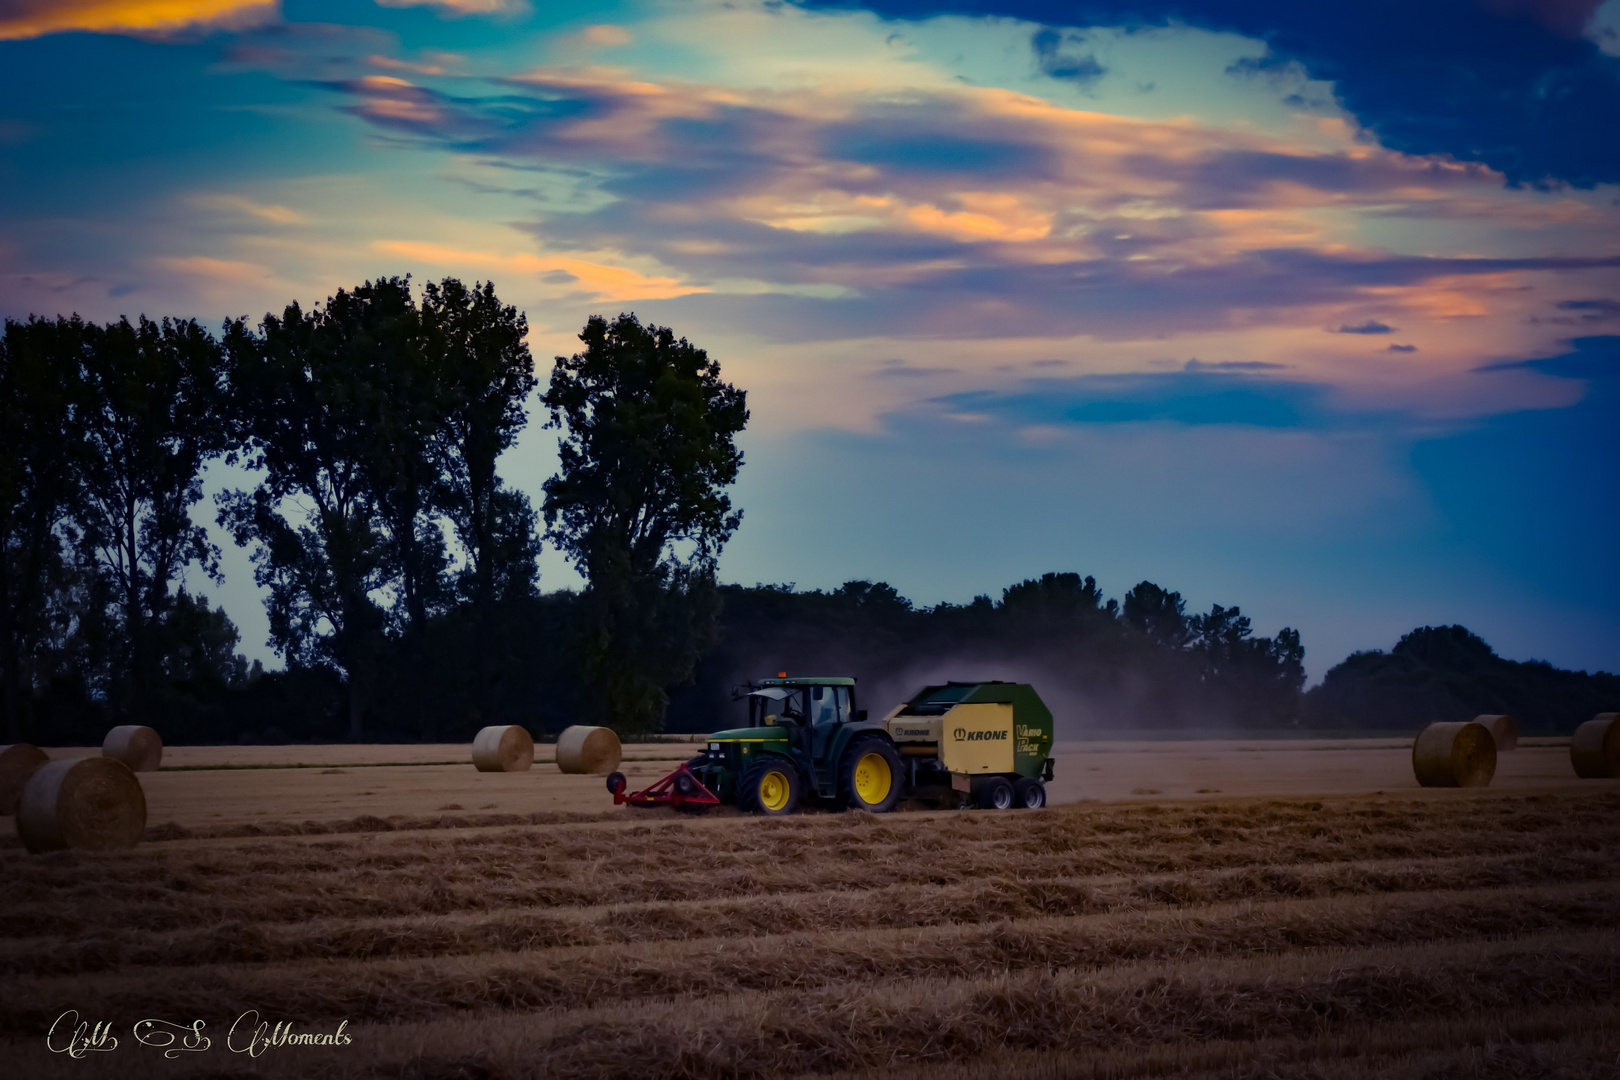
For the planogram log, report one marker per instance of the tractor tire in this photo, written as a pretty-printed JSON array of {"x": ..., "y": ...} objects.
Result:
[
  {"x": 994, "y": 793},
  {"x": 769, "y": 786},
  {"x": 871, "y": 777},
  {"x": 1029, "y": 794}
]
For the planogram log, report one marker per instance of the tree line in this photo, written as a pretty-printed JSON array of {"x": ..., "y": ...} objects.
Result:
[
  {"x": 400, "y": 569},
  {"x": 1139, "y": 661}
]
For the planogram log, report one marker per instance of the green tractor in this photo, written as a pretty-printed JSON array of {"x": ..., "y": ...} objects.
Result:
[{"x": 807, "y": 741}]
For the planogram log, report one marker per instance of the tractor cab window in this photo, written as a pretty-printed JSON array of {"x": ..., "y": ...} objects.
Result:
[
  {"x": 775, "y": 705},
  {"x": 829, "y": 704}
]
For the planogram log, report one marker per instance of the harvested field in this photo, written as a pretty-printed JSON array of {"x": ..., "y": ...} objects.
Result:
[
  {"x": 220, "y": 790},
  {"x": 1408, "y": 933}
]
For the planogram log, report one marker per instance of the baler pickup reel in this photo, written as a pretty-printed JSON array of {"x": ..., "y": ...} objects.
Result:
[{"x": 680, "y": 788}]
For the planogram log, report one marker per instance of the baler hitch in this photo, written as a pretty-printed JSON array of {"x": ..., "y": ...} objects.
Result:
[{"x": 680, "y": 788}]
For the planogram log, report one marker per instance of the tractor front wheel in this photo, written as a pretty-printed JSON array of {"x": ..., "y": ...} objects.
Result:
[
  {"x": 871, "y": 775},
  {"x": 769, "y": 787}
]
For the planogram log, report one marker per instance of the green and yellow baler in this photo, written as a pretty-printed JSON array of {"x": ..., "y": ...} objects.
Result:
[{"x": 807, "y": 741}]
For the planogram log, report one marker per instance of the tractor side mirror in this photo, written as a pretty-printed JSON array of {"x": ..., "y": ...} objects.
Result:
[{"x": 860, "y": 716}]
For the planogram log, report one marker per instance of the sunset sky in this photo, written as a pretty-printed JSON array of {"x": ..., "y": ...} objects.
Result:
[{"x": 1311, "y": 308}]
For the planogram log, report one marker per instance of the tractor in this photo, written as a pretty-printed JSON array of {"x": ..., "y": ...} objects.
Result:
[{"x": 806, "y": 741}]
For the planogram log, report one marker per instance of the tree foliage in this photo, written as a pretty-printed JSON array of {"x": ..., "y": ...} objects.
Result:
[
  {"x": 310, "y": 394},
  {"x": 39, "y": 404},
  {"x": 1450, "y": 673},
  {"x": 640, "y": 505},
  {"x": 152, "y": 415},
  {"x": 374, "y": 419}
]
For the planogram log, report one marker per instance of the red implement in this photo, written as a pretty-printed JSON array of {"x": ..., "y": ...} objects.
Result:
[{"x": 679, "y": 788}]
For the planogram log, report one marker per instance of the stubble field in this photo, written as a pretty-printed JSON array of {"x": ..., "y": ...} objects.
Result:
[{"x": 1403, "y": 933}]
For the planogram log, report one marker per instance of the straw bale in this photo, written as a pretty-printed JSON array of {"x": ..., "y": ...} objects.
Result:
[
  {"x": 136, "y": 746},
  {"x": 503, "y": 748},
  {"x": 17, "y": 763},
  {"x": 1454, "y": 755},
  {"x": 1503, "y": 728},
  {"x": 1595, "y": 749},
  {"x": 582, "y": 749},
  {"x": 93, "y": 803}
]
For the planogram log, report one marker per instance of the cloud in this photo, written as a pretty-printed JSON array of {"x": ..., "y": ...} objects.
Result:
[
  {"x": 241, "y": 205},
  {"x": 1592, "y": 310},
  {"x": 605, "y": 282},
  {"x": 220, "y": 269},
  {"x": 1196, "y": 364},
  {"x": 459, "y": 8},
  {"x": 1055, "y": 62},
  {"x": 948, "y": 212},
  {"x": 1402, "y": 348},
  {"x": 604, "y": 35},
  {"x": 1371, "y": 326},
  {"x": 141, "y": 18},
  {"x": 1510, "y": 83},
  {"x": 1192, "y": 397}
]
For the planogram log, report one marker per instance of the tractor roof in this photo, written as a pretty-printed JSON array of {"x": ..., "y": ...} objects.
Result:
[{"x": 809, "y": 680}]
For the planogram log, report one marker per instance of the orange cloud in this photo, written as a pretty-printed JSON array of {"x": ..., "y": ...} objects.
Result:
[
  {"x": 606, "y": 282},
  {"x": 456, "y": 8},
  {"x": 144, "y": 18},
  {"x": 217, "y": 269}
]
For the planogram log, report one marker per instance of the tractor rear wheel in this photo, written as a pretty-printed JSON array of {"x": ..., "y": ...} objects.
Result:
[
  {"x": 994, "y": 793},
  {"x": 871, "y": 775},
  {"x": 1029, "y": 794},
  {"x": 769, "y": 787}
]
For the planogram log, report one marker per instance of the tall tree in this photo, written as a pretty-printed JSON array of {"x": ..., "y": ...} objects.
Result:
[
  {"x": 312, "y": 394},
  {"x": 485, "y": 374},
  {"x": 153, "y": 416},
  {"x": 39, "y": 364},
  {"x": 640, "y": 506}
]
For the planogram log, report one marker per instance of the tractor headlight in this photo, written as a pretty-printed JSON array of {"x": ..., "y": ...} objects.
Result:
[{"x": 714, "y": 748}]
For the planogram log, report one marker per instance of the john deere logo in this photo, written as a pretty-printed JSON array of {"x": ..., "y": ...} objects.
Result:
[{"x": 959, "y": 734}]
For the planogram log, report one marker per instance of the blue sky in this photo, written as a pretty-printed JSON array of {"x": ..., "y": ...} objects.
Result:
[{"x": 1310, "y": 308}]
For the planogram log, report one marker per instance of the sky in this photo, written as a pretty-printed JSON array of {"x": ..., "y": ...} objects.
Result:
[{"x": 1309, "y": 308}]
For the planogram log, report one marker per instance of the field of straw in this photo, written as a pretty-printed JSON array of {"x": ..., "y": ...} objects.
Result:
[{"x": 1407, "y": 934}]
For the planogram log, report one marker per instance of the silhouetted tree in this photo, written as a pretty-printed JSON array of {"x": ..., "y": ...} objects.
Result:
[
  {"x": 484, "y": 374},
  {"x": 39, "y": 367},
  {"x": 1159, "y": 614},
  {"x": 153, "y": 416},
  {"x": 309, "y": 392},
  {"x": 640, "y": 505},
  {"x": 1449, "y": 673}
]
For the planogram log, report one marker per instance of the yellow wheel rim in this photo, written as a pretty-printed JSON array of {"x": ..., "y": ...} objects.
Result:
[
  {"x": 873, "y": 778},
  {"x": 773, "y": 790}
]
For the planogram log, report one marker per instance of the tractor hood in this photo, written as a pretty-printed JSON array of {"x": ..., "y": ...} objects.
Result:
[{"x": 751, "y": 734}]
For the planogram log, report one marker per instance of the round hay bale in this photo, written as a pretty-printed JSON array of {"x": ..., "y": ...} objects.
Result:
[
  {"x": 93, "y": 804},
  {"x": 1454, "y": 755},
  {"x": 136, "y": 746},
  {"x": 1503, "y": 728},
  {"x": 17, "y": 763},
  {"x": 1595, "y": 749},
  {"x": 582, "y": 749},
  {"x": 503, "y": 748}
]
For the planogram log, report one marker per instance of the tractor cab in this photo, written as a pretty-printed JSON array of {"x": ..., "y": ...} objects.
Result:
[{"x": 808, "y": 711}]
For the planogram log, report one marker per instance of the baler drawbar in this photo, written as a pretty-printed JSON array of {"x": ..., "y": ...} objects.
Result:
[{"x": 680, "y": 788}]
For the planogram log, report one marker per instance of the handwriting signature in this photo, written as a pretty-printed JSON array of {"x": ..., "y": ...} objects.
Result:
[{"x": 248, "y": 1034}]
